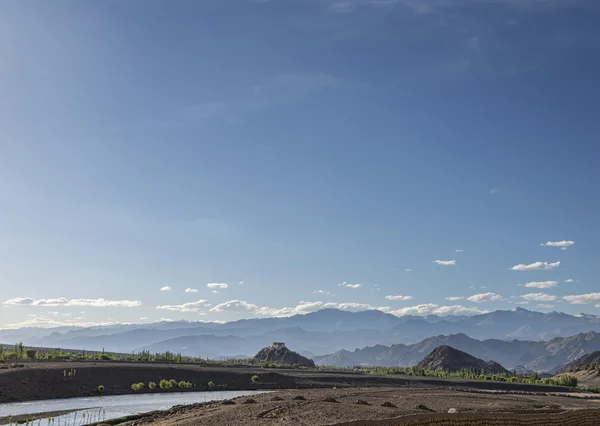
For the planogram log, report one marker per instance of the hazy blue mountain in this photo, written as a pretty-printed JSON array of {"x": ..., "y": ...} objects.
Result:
[
  {"x": 531, "y": 355},
  {"x": 328, "y": 331}
]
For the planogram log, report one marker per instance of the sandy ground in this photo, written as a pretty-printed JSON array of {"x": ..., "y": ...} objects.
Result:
[{"x": 330, "y": 406}]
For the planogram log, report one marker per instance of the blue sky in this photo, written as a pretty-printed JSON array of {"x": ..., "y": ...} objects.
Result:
[{"x": 297, "y": 147}]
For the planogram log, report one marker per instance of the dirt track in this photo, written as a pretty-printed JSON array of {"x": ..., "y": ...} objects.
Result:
[
  {"x": 37, "y": 381},
  {"x": 340, "y": 406}
]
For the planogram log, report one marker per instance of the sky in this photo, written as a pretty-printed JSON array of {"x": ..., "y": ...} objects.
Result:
[{"x": 211, "y": 160}]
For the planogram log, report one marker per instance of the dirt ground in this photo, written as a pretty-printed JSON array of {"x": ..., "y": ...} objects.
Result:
[
  {"x": 37, "y": 381},
  {"x": 332, "y": 406}
]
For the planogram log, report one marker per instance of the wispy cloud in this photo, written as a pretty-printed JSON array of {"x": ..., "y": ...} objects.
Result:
[
  {"x": 541, "y": 284},
  {"x": 191, "y": 290},
  {"x": 583, "y": 299},
  {"x": 322, "y": 292},
  {"x": 537, "y": 266},
  {"x": 198, "y": 306},
  {"x": 398, "y": 297},
  {"x": 62, "y": 301},
  {"x": 445, "y": 262},
  {"x": 455, "y": 298},
  {"x": 493, "y": 191},
  {"x": 563, "y": 245},
  {"x": 166, "y": 288},
  {"x": 280, "y": 90},
  {"x": 485, "y": 297},
  {"x": 569, "y": 281},
  {"x": 408, "y": 270},
  {"x": 538, "y": 297},
  {"x": 458, "y": 251},
  {"x": 544, "y": 306},
  {"x": 217, "y": 285},
  {"x": 241, "y": 282},
  {"x": 348, "y": 285}
]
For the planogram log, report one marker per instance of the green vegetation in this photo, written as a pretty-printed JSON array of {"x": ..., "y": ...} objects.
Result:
[
  {"x": 211, "y": 384},
  {"x": 255, "y": 379},
  {"x": 566, "y": 380},
  {"x": 151, "y": 385},
  {"x": 100, "y": 389},
  {"x": 184, "y": 385},
  {"x": 136, "y": 387}
]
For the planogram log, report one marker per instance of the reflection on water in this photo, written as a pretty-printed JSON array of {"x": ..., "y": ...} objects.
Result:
[{"x": 99, "y": 408}]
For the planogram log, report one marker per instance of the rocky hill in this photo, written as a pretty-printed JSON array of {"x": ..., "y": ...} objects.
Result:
[
  {"x": 450, "y": 359},
  {"x": 278, "y": 353},
  {"x": 586, "y": 362}
]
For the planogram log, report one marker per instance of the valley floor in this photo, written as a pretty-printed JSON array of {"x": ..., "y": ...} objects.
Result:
[
  {"x": 37, "y": 380},
  {"x": 341, "y": 406}
]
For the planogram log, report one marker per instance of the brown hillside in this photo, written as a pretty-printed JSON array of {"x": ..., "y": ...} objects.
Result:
[{"x": 450, "y": 359}]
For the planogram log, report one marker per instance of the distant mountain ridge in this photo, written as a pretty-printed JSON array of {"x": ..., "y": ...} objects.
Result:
[
  {"x": 323, "y": 332},
  {"x": 529, "y": 355},
  {"x": 449, "y": 359}
]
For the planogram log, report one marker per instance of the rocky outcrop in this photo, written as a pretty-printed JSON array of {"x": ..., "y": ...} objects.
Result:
[
  {"x": 278, "y": 353},
  {"x": 450, "y": 359}
]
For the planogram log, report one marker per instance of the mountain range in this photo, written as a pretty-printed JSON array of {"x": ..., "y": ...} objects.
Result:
[
  {"x": 323, "y": 332},
  {"x": 513, "y": 354}
]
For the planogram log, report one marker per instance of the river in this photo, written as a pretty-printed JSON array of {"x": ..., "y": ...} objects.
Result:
[{"x": 99, "y": 408}]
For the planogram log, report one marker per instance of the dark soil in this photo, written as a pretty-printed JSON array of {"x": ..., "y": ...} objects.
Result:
[
  {"x": 37, "y": 381},
  {"x": 380, "y": 403}
]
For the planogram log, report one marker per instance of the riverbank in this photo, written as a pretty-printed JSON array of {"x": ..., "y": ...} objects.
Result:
[
  {"x": 342, "y": 406},
  {"x": 39, "y": 381}
]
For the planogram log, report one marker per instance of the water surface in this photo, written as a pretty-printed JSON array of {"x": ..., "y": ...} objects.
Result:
[{"x": 98, "y": 408}]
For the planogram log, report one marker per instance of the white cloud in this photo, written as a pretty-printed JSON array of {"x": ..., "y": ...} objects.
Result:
[
  {"x": 143, "y": 318},
  {"x": 537, "y": 266},
  {"x": 217, "y": 285},
  {"x": 216, "y": 291},
  {"x": 433, "y": 309},
  {"x": 42, "y": 322},
  {"x": 241, "y": 282},
  {"x": 321, "y": 292},
  {"x": 494, "y": 190},
  {"x": 398, "y": 297},
  {"x": 345, "y": 284},
  {"x": 408, "y": 270},
  {"x": 569, "y": 281},
  {"x": 445, "y": 262},
  {"x": 166, "y": 288},
  {"x": 458, "y": 251},
  {"x": 454, "y": 298},
  {"x": 236, "y": 306},
  {"x": 545, "y": 306},
  {"x": 199, "y": 306},
  {"x": 538, "y": 297},
  {"x": 62, "y": 301},
  {"x": 522, "y": 303},
  {"x": 563, "y": 245},
  {"x": 582, "y": 299},
  {"x": 484, "y": 298},
  {"x": 191, "y": 290},
  {"x": 541, "y": 284}
]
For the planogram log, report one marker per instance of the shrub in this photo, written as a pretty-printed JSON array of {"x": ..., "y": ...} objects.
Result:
[
  {"x": 255, "y": 379},
  {"x": 567, "y": 380},
  {"x": 172, "y": 384},
  {"x": 182, "y": 384},
  {"x": 100, "y": 389},
  {"x": 137, "y": 386},
  {"x": 211, "y": 385},
  {"x": 151, "y": 385},
  {"x": 164, "y": 384},
  {"x": 30, "y": 353}
]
